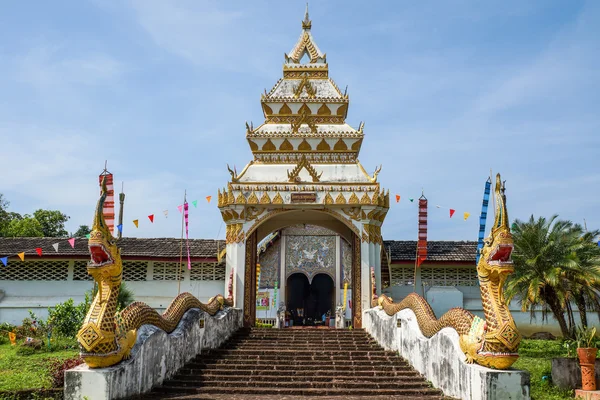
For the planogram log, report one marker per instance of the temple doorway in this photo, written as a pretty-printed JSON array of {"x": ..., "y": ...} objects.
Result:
[{"x": 309, "y": 304}]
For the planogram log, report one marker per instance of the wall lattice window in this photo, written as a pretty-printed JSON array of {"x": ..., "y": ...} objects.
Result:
[
  {"x": 80, "y": 271},
  {"x": 134, "y": 270},
  {"x": 432, "y": 276},
  {"x": 209, "y": 271},
  {"x": 402, "y": 275},
  {"x": 35, "y": 271},
  {"x": 168, "y": 271}
]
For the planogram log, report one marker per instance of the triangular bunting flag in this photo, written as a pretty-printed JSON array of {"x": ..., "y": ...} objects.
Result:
[
  {"x": 411, "y": 200},
  {"x": 55, "y": 245},
  {"x": 120, "y": 228},
  {"x": 22, "y": 256},
  {"x": 151, "y": 218},
  {"x": 208, "y": 198},
  {"x": 72, "y": 242},
  {"x": 88, "y": 236},
  {"x": 135, "y": 222},
  {"x": 514, "y": 226},
  {"x": 437, "y": 206},
  {"x": 166, "y": 212},
  {"x": 452, "y": 212},
  {"x": 467, "y": 215},
  {"x": 179, "y": 208},
  {"x": 397, "y": 198},
  {"x": 195, "y": 203},
  {"x": 39, "y": 251},
  {"x": 4, "y": 260}
]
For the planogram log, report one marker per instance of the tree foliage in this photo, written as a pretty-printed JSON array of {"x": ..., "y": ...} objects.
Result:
[
  {"x": 53, "y": 222},
  {"x": 557, "y": 268},
  {"x": 82, "y": 231},
  {"x": 25, "y": 226}
]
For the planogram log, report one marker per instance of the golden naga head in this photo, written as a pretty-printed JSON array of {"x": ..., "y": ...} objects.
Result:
[
  {"x": 105, "y": 257},
  {"x": 498, "y": 341}
]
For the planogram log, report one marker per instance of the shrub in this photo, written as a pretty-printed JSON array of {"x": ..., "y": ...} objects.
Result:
[
  {"x": 58, "y": 368},
  {"x": 65, "y": 318}
]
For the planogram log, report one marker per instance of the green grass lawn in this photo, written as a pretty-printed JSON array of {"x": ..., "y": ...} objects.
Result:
[
  {"x": 536, "y": 356},
  {"x": 20, "y": 372}
]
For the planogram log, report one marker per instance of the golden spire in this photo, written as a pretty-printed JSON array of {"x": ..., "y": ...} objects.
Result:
[{"x": 306, "y": 23}]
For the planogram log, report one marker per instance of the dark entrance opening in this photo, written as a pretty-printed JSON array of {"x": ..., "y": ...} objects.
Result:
[{"x": 307, "y": 303}]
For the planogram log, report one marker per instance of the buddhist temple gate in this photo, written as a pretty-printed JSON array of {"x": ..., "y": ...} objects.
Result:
[{"x": 305, "y": 170}]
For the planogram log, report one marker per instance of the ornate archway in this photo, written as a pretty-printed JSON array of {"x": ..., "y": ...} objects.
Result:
[{"x": 305, "y": 168}]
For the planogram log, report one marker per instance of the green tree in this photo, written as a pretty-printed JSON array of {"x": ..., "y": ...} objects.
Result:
[
  {"x": 554, "y": 263},
  {"x": 27, "y": 226},
  {"x": 82, "y": 231},
  {"x": 52, "y": 222},
  {"x": 5, "y": 215}
]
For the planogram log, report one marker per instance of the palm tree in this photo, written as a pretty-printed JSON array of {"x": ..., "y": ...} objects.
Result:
[{"x": 554, "y": 265}]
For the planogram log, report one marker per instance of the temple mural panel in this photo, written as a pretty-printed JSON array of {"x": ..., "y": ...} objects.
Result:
[
  {"x": 310, "y": 255},
  {"x": 270, "y": 262},
  {"x": 346, "y": 256}
]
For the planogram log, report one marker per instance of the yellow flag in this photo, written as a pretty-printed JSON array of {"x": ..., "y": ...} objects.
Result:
[
  {"x": 21, "y": 256},
  {"x": 467, "y": 215},
  {"x": 208, "y": 198},
  {"x": 135, "y": 222},
  {"x": 13, "y": 338}
]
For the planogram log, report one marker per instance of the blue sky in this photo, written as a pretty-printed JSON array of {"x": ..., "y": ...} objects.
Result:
[{"x": 447, "y": 90}]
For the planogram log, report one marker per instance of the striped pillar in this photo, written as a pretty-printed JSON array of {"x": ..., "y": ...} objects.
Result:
[{"x": 109, "y": 203}]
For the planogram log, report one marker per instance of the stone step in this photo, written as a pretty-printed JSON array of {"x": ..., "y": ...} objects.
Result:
[
  {"x": 303, "y": 346},
  {"x": 288, "y": 378},
  {"x": 286, "y": 359},
  {"x": 291, "y": 367},
  {"x": 294, "y": 352},
  {"x": 300, "y": 364},
  {"x": 422, "y": 392},
  {"x": 359, "y": 373},
  {"x": 397, "y": 383}
]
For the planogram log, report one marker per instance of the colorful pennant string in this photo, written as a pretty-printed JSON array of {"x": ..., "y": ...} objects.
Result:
[
  {"x": 397, "y": 198},
  {"x": 151, "y": 218},
  {"x": 38, "y": 250},
  {"x": 166, "y": 212},
  {"x": 466, "y": 215},
  {"x": 136, "y": 222},
  {"x": 120, "y": 228},
  {"x": 72, "y": 242},
  {"x": 4, "y": 261},
  {"x": 179, "y": 208},
  {"x": 88, "y": 236},
  {"x": 22, "y": 255},
  {"x": 411, "y": 200},
  {"x": 483, "y": 217},
  {"x": 55, "y": 245},
  {"x": 452, "y": 211},
  {"x": 195, "y": 203},
  {"x": 208, "y": 198}
]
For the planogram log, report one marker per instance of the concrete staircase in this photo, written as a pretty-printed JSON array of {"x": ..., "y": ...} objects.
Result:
[{"x": 285, "y": 363}]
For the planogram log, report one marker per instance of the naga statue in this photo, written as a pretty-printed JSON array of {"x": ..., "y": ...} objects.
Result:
[
  {"x": 107, "y": 336},
  {"x": 492, "y": 342}
]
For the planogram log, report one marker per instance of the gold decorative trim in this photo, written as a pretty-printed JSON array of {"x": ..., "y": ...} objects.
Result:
[
  {"x": 252, "y": 199},
  {"x": 306, "y": 85},
  {"x": 340, "y": 145},
  {"x": 304, "y": 146},
  {"x": 304, "y": 119},
  {"x": 304, "y": 110},
  {"x": 353, "y": 212},
  {"x": 265, "y": 199},
  {"x": 266, "y": 109},
  {"x": 353, "y": 199},
  {"x": 268, "y": 146},
  {"x": 342, "y": 111},
  {"x": 363, "y": 215},
  {"x": 340, "y": 199},
  {"x": 303, "y": 163},
  {"x": 286, "y": 146},
  {"x": 240, "y": 199},
  {"x": 285, "y": 110},
  {"x": 315, "y": 119},
  {"x": 278, "y": 199},
  {"x": 253, "y": 146},
  {"x": 324, "y": 110},
  {"x": 365, "y": 199},
  {"x": 328, "y": 199},
  {"x": 356, "y": 145},
  {"x": 252, "y": 213},
  {"x": 323, "y": 146}
]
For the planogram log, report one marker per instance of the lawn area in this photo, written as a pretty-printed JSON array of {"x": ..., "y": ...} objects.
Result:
[
  {"x": 20, "y": 372},
  {"x": 536, "y": 356}
]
